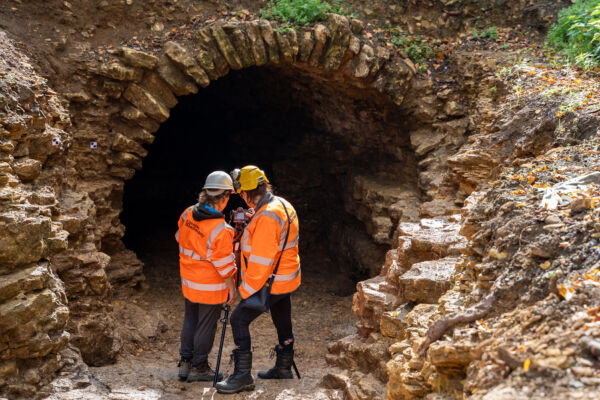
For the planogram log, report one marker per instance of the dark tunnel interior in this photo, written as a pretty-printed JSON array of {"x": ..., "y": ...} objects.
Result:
[{"x": 257, "y": 116}]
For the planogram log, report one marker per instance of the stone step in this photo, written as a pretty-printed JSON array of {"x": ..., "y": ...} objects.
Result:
[
  {"x": 373, "y": 297},
  {"x": 426, "y": 281},
  {"x": 430, "y": 238}
]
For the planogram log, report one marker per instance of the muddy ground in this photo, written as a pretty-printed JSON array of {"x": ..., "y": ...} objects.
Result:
[{"x": 150, "y": 322}]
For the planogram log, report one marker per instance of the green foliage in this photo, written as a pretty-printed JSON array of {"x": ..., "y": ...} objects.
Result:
[
  {"x": 303, "y": 12},
  {"x": 417, "y": 49},
  {"x": 576, "y": 35},
  {"x": 489, "y": 33},
  {"x": 300, "y": 12}
]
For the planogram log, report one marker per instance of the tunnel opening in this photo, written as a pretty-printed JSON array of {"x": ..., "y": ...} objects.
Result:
[{"x": 330, "y": 147}]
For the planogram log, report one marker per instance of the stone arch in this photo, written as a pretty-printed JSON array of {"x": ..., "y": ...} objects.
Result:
[
  {"x": 135, "y": 89},
  {"x": 119, "y": 98}
]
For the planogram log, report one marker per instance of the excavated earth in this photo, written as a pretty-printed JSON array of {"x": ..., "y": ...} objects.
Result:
[{"x": 450, "y": 243}]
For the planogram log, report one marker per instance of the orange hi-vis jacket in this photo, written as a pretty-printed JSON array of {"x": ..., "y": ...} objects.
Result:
[
  {"x": 261, "y": 246},
  {"x": 205, "y": 257}
]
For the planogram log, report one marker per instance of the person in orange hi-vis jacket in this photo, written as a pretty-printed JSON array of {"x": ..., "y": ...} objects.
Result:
[
  {"x": 262, "y": 245},
  {"x": 207, "y": 268}
]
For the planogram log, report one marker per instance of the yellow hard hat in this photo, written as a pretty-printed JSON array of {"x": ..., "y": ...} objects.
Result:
[{"x": 247, "y": 178}]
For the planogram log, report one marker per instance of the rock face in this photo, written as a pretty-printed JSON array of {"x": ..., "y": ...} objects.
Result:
[
  {"x": 33, "y": 300},
  {"x": 394, "y": 307}
]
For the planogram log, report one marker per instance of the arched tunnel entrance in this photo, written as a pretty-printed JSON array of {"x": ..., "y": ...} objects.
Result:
[{"x": 326, "y": 145}]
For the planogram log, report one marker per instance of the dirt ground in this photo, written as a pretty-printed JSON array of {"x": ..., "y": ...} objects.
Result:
[{"x": 150, "y": 323}]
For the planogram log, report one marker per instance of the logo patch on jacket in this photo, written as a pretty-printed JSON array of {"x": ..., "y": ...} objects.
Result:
[{"x": 193, "y": 227}]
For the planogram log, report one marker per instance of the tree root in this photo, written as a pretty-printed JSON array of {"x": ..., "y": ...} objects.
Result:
[
  {"x": 439, "y": 327},
  {"x": 509, "y": 359}
]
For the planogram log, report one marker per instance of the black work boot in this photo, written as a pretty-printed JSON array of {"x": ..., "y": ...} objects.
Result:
[
  {"x": 241, "y": 379},
  {"x": 184, "y": 368},
  {"x": 283, "y": 365},
  {"x": 203, "y": 372}
]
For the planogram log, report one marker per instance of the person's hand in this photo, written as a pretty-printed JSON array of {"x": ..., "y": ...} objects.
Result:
[{"x": 231, "y": 290}]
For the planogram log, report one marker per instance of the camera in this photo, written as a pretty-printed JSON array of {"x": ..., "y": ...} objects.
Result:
[{"x": 240, "y": 217}]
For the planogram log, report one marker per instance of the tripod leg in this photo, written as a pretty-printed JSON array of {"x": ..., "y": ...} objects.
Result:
[
  {"x": 296, "y": 369},
  {"x": 224, "y": 321}
]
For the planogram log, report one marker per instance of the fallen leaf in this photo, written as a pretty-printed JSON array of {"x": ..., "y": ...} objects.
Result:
[{"x": 526, "y": 365}]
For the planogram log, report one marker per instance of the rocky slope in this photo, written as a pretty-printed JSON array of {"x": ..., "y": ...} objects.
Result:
[{"x": 514, "y": 315}]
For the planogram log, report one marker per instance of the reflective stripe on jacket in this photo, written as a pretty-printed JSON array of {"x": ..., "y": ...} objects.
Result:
[
  {"x": 261, "y": 246},
  {"x": 205, "y": 258}
]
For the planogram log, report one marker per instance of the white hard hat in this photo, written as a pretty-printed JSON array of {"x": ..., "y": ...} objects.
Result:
[{"x": 217, "y": 182}]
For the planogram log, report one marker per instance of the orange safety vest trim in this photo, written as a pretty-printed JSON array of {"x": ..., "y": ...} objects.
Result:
[
  {"x": 261, "y": 246},
  {"x": 205, "y": 258}
]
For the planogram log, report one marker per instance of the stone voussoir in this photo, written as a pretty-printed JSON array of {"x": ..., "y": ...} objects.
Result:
[
  {"x": 292, "y": 37},
  {"x": 257, "y": 45},
  {"x": 132, "y": 113},
  {"x": 237, "y": 34},
  {"x": 268, "y": 35},
  {"x": 180, "y": 56},
  {"x": 208, "y": 44},
  {"x": 159, "y": 89},
  {"x": 321, "y": 33},
  {"x": 285, "y": 50},
  {"x": 306, "y": 45},
  {"x": 176, "y": 79},
  {"x": 118, "y": 71},
  {"x": 206, "y": 61},
  {"x": 226, "y": 47},
  {"x": 137, "y": 58},
  {"x": 147, "y": 103},
  {"x": 340, "y": 40}
]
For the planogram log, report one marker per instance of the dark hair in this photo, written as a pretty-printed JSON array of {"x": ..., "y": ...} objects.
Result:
[
  {"x": 260, "y": 190},
  {"x": 205, "y": 198}
]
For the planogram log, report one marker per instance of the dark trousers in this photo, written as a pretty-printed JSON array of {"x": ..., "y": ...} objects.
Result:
[
  {"x": 281, "y": 313},
  {"x": 198, "y": 331}
]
